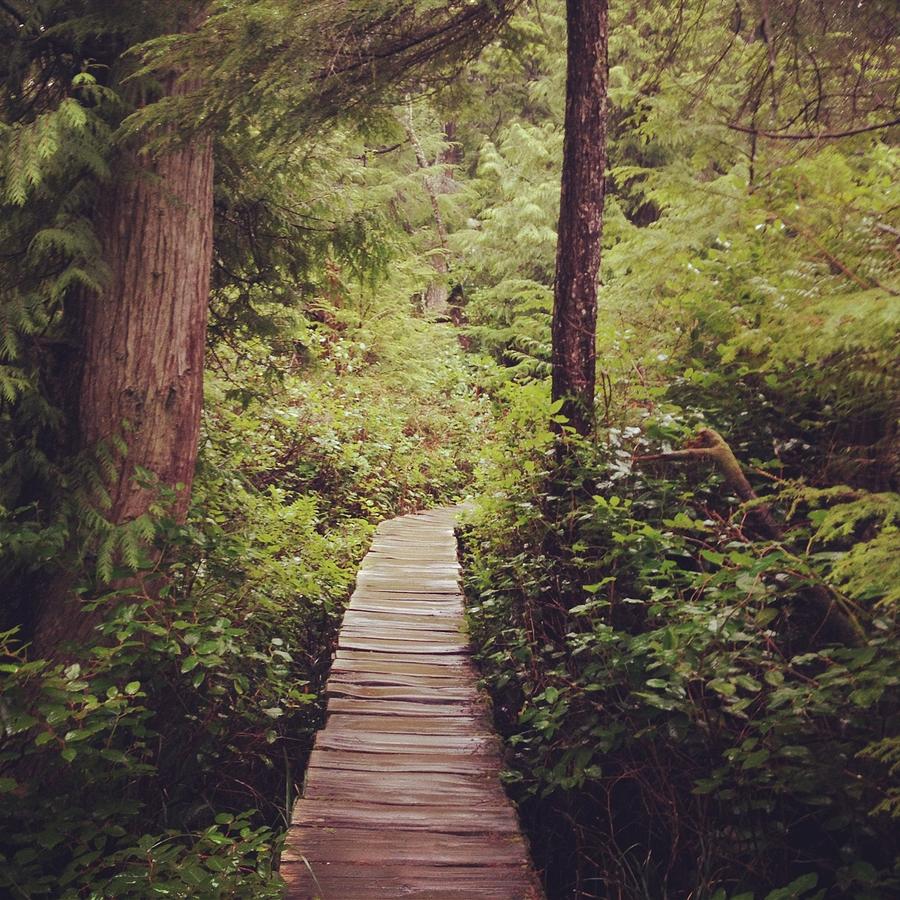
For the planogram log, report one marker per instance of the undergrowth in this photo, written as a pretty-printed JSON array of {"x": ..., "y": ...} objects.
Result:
[
  {"x": 164, "y": 759},
  {"x": 676, "y": 724}
]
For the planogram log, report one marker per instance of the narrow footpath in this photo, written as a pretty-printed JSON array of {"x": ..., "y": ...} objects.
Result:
[{"x": 402, "y": 797}]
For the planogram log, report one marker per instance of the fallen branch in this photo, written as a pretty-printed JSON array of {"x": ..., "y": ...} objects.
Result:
[{"x": 710, "y": 446}]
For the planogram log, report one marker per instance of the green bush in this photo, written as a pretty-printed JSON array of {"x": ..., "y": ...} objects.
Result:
[{"x": 675, "y": 724}]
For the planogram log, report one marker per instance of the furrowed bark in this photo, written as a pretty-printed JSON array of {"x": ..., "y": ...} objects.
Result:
[
  {"x": 581, "y": 213},
  {"x": 140, "y": 345},
  {"x": 143, "y": 340}
]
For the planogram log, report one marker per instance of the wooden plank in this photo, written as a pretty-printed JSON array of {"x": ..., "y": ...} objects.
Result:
[
  {"x": 455, "y": 820},
  {"x": 435, "y": 705},
  {"x": 400, "y": 662},
  {"x": 355, "y": 761},
  {"x": 388, "y": 847},
  {"x": 407, "y": 636},
  {"x": 389, "y": 630},
  {"x": 438, "y": 876},
  {"x": 413, "y": 608},
  {"x": 396, "y": 693},
  {"x": 382, "y": 663},
  {"x": 396, "y": 582},
  {"x": 425, "y": 565},
  {"x": 364, "y": 784},
  {"x": 407, "y": 591},
  {"x": 402, "y": 795},
  {"x": 409, "y": 601},
  {"x": 391, "y": 742},
  {"x": 387, "y": 645},
  {"x": 409, "y": 575},
  {"x": 429, "y": 678},
  {"x": 412, "y": 552},
  {"x": 403, "y": 789},
  {"x": 468, "y": 726},
  {"x": 404, "y": 621},
  {"x": 336, "y": 882}
]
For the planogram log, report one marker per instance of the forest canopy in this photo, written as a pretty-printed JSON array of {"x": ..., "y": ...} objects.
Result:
[{"x": 624, "y": 280}]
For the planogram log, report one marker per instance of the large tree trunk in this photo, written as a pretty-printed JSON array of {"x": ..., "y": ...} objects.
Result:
[
  {"x": 143, "y": 340},
  {"x": 140, "y": 343},
  {"x": 581, "y": 212}
]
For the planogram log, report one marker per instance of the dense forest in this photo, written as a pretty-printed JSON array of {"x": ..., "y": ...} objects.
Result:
[{"x": 624, "y": 280}]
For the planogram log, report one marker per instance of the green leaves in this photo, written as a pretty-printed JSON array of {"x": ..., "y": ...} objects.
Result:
[
  {"x": 799, "y": 887},
  {"x": 679, "y": 673}
]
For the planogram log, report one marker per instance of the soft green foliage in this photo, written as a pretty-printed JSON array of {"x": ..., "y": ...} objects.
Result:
[
  {"x": 678, "y": 722},
  {"x": 685, "y": 734},
  {"x": 507, "y": 247},
  {"x": 163, "y": 758},
  {"x": 103, "y": 736}
]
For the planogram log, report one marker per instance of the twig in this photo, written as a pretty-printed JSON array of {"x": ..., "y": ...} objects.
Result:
[{"x": 812, "y": 135}]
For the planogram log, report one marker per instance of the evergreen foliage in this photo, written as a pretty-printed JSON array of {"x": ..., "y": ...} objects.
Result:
[
  {"x": 694, "y": 732},
  {"x": 678, "y": 721}
]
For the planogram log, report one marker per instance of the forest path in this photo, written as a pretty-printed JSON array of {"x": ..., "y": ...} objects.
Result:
[{"x": 402, "y": 796}]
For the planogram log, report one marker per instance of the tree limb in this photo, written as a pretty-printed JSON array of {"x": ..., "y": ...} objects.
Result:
[
  {"x": 811, "y": 135},
  {"x": 710, "y": 446}
]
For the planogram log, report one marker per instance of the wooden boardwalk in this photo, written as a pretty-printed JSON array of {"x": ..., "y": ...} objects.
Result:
[{"x": 402, "y": 797}]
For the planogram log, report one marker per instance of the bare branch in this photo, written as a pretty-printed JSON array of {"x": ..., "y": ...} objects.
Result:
[
  {"x": 709, "y": 445},
  {"x": 812, "y": 135}
]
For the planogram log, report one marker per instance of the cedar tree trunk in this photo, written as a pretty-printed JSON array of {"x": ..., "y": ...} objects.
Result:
[
  {"x": 143, "y": 341},
  {"x": 581, "y": 213},
  {"x": 140, "y": 343}
]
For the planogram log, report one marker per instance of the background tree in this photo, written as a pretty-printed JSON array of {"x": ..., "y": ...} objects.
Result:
[
  {"x": 330, "y": 406},
  {"x": 748, "y": 287},
  {"x": 581, "y": 213}
]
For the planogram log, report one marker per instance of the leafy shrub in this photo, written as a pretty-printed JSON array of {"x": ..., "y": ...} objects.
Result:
[{"x": 675, "y": 726}]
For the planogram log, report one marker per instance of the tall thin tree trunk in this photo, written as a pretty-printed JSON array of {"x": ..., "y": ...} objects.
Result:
[
  {"x": 438, "y": 292},
  {"x": 581, "y": 212},
  {"x": 140, "y": 343}
]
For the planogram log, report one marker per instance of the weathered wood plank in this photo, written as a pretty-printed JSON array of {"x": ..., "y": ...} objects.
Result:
[
  {"x": 413, "y": 648},
  {"x": 383, "y": 685},
  {"x": 430, "y": 725},
  {"x": 399, "y": 624},
  {"x": 390, "y": 632},
  {"x": 435, "y": 705},
  {"x": 393, "y": 782},
  {"x": 402, "y": 795},
  {"x": 374, "y": 661},
  {"x": 452, "y": 763},
  {"x": 388, "y": 605},
  {"x": 336, "y": 881},
  {"x": 498, "y": 819},
  {"x": 391, "y": 742},
  {"x": 405, "y": 789},
  {"x": 388, "y": 847},
  {"x": 400, "y": 686}
]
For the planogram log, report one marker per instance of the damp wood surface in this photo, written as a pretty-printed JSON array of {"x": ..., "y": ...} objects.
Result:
[{"x": 402, "y": 797}]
